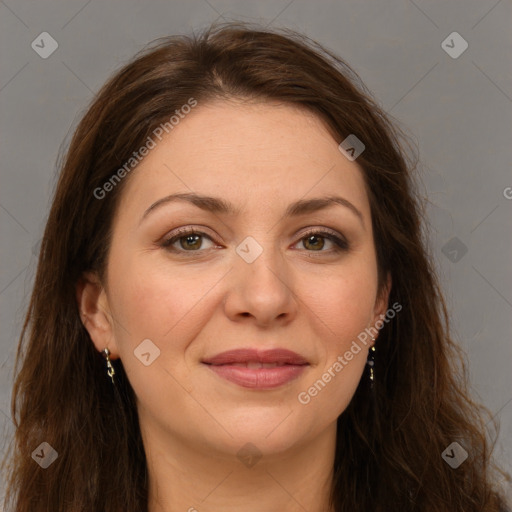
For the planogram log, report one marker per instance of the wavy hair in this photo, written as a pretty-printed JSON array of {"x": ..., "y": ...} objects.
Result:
[{"x": 389, "y": 439}]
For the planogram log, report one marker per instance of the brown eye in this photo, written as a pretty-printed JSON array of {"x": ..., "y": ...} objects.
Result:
[
  {"x": 314, "y": 241},
  {"x": 189, "y": 241}
]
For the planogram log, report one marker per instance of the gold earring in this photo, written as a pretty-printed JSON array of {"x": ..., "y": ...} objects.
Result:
[
  {"x": 371, "y": 362},
  {"x": 110, "y": 369}
]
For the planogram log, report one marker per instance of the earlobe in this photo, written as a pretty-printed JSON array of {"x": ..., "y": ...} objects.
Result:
[{"x": 94, "y": 312}]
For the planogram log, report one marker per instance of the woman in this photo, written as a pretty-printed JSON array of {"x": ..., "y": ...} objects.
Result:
[{"x": 234, "y": 308}]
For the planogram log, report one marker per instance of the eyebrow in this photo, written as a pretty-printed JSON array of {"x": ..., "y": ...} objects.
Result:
[{"x": 221, "y": 206}]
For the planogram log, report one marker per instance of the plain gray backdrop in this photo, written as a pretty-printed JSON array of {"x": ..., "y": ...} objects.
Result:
[{"x": 457, "y": 107}]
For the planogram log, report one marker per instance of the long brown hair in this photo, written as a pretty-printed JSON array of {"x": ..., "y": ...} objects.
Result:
[{"x": 389, "y": 439}]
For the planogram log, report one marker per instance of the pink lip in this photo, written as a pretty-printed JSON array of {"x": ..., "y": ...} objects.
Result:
[
  {"x": 229, "y": 365},
  {"x": 244, "y": 355}
]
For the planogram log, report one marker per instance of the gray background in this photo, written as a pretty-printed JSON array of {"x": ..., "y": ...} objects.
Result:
[{"x": 458, "y": 110}]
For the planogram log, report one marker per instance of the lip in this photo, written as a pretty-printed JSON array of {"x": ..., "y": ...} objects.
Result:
[
  {"x": 240, "y": 366},
  {"x": 244, "y": 355}
]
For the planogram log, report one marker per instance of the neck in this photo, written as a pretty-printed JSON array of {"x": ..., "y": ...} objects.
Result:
[{"x": 184, "y": 476}]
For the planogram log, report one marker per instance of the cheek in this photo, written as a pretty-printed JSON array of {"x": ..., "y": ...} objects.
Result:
[
  {"x": 167, "y": 308},
  {"x": 345, "y": 301},
  {"x": 154, "y": 301},
  {"x": 344, "y": 305},
  {"x": 330, "y": 387}
]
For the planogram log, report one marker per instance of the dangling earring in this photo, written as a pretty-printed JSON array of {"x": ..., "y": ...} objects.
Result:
[
  {"x": 371, "y": 363},
  {"x": 110, "y": 369}
]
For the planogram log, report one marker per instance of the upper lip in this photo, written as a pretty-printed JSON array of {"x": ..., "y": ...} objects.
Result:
[{"x": 248, "y": 355}]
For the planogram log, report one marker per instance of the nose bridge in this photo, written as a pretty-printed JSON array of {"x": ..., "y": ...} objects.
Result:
[
  {"x": 261, "y": 281},
  {"x": 260, "y": 256}
]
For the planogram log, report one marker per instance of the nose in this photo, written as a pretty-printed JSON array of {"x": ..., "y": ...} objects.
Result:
[{"x": 261, "y": 290}]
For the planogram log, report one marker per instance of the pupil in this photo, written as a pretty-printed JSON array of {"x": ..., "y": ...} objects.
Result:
[
  {"x": 315, "y": 237},
  {"x": 190, "y": 239}
]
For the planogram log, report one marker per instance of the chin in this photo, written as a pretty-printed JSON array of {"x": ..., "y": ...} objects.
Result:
[{"x": 271, "y": 433}]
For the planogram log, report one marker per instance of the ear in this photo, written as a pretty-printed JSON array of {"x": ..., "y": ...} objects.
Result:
[
  {"x": 95, "y": 313},
  {"x": 381, "y": 303}
]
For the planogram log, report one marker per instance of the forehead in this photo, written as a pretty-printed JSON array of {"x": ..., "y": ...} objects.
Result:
[{"x": 250, "y": 153}]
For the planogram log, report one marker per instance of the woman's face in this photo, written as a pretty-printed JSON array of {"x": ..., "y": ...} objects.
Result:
[{"x": 250, "y": 279}]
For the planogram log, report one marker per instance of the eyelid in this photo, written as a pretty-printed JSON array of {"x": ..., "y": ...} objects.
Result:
[
  {"x": 187, "y": 230},
  {"x": 320, "y": 230}
]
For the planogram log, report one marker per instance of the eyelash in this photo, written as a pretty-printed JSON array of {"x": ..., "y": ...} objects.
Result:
[{"x": 340, "y": 244}]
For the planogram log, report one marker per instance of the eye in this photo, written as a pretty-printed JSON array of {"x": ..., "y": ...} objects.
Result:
[
  {"x": 190, "y": 240},
  {"x": 315, "y": 240}
]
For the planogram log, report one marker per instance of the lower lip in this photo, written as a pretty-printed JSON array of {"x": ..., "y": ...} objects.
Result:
[{"x": 258, "y": 378}]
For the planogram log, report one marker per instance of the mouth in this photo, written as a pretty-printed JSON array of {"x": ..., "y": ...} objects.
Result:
[
  {"x": 254, "y": 364},
  {"x": 250, "y": 368}
]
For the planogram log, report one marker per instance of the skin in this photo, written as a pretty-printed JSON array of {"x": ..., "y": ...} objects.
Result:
[{"x": 296, "y": 295}]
